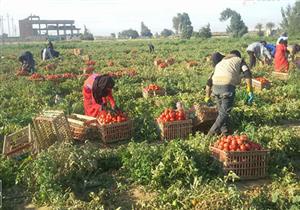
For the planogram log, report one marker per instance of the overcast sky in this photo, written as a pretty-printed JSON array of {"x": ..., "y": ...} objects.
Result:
[{"x": 103, "y": 17}]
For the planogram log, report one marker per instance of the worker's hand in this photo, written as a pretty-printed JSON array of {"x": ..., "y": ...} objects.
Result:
[
  {"x": 250, "y": 97},
  {"x": 208, "y": 101},
  {"x": 116, "y": 109},
  {"x": 103, "y": 107}
]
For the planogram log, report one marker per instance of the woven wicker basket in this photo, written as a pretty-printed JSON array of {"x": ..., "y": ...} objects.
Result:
[
  {"x": 247, "y": 165},
  {"x": 51, "y": 126},
  {"x": 175, "y": 129},
  {"x": 116, "y": 132},
  {"x": 18, "y": 143}
]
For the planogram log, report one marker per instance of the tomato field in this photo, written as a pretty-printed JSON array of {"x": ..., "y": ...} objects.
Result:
[{"x": 146, "y": 172}]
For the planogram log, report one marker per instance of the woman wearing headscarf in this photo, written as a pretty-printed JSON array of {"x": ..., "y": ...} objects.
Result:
[
  {"x": 281, "y": 63},
  {"x": 27, "y": 61},
  {"x": 97, "y": 91}
]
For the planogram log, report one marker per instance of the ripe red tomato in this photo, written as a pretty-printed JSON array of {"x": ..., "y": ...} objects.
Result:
[
  {"x": 247, "y": 146},
  {"x": 242, "y": 148}
]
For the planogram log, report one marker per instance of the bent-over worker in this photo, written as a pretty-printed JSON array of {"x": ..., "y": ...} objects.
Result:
[
  {"x": 257, "y": 50},
  {"x": 97, "y": 91},
  {"x": 27, "y": 61},
  {"x": 222, "y": 84}
]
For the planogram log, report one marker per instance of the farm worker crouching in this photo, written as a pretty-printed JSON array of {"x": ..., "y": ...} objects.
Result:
[
  {"x": 49, "y": 52},
  {"x": 222, "y": 83},
  {"x": 97, "y": 91},
  {"x": 257, "y": 50},
  {"x": 281, "y": 57},
  {"x": 27, "y": 62}
]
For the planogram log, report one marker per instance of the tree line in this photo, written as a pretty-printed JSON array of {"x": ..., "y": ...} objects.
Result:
[{"x": 183, "y": 28}]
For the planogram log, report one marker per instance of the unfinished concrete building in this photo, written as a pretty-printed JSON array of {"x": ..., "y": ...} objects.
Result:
[{"x": 33, "y": 26}]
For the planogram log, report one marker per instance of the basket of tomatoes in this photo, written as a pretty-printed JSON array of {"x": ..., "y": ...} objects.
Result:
[
  {"x": 242, "y": 156},
  {"x": 174, "y": 124},
  {"x": 153, "y": 90},
  {"x": 204, "y": 113},
  {"x": 260, "y": 83},
  {"x": 114, "y": 127}
]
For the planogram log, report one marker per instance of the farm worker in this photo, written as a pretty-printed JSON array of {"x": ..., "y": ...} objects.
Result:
[
  {"x": 223, "y": 82},
  {"x": 27, "y": 61},
  {"x": 97, "y": 91},
  {"x": 49, "y": 52},
  {"x": 281, "y": 57},
  {"x": 293, "y": 50},
  {"x": 257, "y": 50},
  {"x": 283, "y": 36},
  {"x": 271, "y": 48},
  {"x": 151, "y": 48}
]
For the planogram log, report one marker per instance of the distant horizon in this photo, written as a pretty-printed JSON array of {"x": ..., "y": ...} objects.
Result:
[{"x": 103, "y": 17}]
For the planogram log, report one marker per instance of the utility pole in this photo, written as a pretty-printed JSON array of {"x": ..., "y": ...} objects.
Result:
[
  {"x": 1, "y": 24},
  {"x": 7, "y": 15},
  {"x": 12, "y": 26}
]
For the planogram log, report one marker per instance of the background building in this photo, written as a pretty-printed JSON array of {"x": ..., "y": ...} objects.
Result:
[{"x": 33, "y": 26}]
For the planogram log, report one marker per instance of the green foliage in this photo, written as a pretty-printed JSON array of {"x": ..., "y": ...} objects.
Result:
[
  {"x": 205, "y": 32},
  {"x": 237, "y": 27},
  {"x": 183, "y": 25},
  {"x": 291, "y": 19},
  {"x": 8, "y": 172},
  {"x": 145, "y": 31},
  {"x": 128, "y": 34},
  {"x": 50, "y": 175},
  {"x": 166, "y": 33}
]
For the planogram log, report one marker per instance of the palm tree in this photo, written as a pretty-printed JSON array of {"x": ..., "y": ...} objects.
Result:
[
  {"x": 259, "y": 28},
  {"x": 269, "y": 27}
]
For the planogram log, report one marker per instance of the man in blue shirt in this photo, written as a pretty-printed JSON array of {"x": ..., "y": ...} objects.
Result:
[{"x": 271, "y": 48}]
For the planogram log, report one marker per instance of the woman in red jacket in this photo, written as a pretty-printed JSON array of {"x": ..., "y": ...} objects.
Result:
[
  {"x": 281, "y": 57},
  {"x": 97, "y": 91}
]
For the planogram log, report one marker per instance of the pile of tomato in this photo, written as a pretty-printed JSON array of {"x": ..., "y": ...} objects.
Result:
[
  {"x": 158, "y": 61},
  {"x": 90, "y": 63},
  {"x": 262, "y": 80},
  {"x": 240, "y": 143},
  {"x": 170, "y": 61},
  {"x": 123, "y": 72},
  {"x": 192, "y": 63},
  {"x": 22, "y": 72},
  {"x": 106, "y": 117},
  {"x": 61, "y": 76},
  {"x": 69, "y": 76},
  {"x": 110, "y": 63},
  {"x": 53, "y": 77},
  {"x": 170, "y": 115},
  {"x": 36, "y": 76},
  {"x": 152, "y": 87}
]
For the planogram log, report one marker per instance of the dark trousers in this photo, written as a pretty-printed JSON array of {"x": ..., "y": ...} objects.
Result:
[
  {"x": 252, "y": 59},
  {"x": 224, "y": 95}
]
